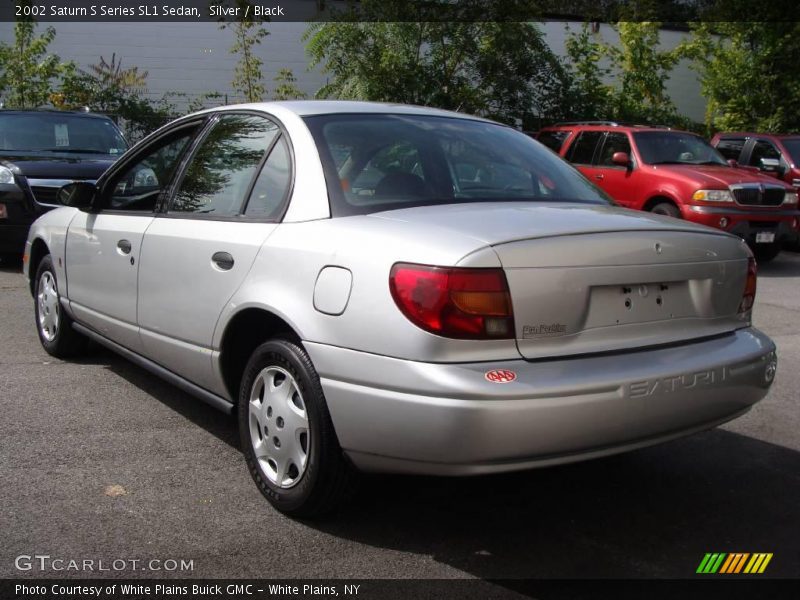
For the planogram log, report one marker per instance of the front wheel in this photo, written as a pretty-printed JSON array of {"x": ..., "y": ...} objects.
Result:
[
  {"x": 287, "y": 436},
  {"x": 53, "y": 324},
  {"x": 666, "y": 208}
]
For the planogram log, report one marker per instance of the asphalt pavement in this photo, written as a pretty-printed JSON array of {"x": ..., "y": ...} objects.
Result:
[{"x": 101, "y": 461}]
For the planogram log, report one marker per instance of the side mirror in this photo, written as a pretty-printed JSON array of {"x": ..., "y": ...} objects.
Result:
[
  {"x": 78, "y": 194},
  {"x": 621, "y": 158},
  {"x": 733, "y": 162},
  {"x": 771, "y": 165}
]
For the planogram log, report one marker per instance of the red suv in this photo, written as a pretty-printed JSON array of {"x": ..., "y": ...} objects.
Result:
[
  {"x": 774, "y": 155},
  {"x": 679, "y": 174}
]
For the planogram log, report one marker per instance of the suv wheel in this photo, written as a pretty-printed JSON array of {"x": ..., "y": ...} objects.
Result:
[
  {"x": 287, "y": 435},
  {"x": 53, "y": 324},
  {"x": 766, "y": 252},
  {"x": 666, "y": 208}
]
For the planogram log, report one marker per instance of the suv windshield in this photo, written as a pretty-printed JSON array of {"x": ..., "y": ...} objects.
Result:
[
  {"x": 383, "y": 162},
  {"x": 59, "y": 132},
  {"x": 792, "y": 146},
  {"x": 677, "y": 148}
]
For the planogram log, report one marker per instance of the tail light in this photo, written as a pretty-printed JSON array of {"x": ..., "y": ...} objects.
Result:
[
  {"x": 749, "y": 294},
  {"x": 454, "y": 302}
]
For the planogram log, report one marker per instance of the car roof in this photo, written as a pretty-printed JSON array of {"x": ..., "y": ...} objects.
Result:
[
  {"x": 307, "y": 108},
  {"x": 606, "y": 125},
  {"x": 780, "y": 136},
  {"x": 39, "y": 111}
]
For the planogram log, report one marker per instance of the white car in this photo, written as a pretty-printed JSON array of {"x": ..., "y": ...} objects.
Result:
[{"x": 394, "y": 288}]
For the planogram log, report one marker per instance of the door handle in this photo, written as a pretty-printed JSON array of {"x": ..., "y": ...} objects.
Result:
[
  {"x": 124, "y": 246},
  {"x": 223, "y": 260},
  {"x": 599, "y": 177}
]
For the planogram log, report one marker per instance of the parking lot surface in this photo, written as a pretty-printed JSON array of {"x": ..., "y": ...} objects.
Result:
[{"x": 99, "y": 460}]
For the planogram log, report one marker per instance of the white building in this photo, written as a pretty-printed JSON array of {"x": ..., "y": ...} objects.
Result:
[{"x": 194, "y": 58}]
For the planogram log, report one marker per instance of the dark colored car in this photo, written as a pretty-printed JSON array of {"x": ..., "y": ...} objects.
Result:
[
  {"x": 40, "y": 151},
  {"x": 776, "y": 155},
  {"x": 677, "y": 173}
]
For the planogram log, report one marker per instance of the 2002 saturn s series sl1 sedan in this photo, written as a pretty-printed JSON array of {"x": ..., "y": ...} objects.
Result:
[{"x": 393, "y": 288}]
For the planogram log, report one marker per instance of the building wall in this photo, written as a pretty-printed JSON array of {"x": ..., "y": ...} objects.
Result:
[{"x": 194, "y": 58}]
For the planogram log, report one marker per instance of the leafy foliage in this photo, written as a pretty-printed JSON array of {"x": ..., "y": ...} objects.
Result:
[
  {"x": 748, "y": 74},
  {"x": 286, "y": 86},
  {"x": 639, "y": 71},
  {"x": 27, "y": 69},
  {"x": 502, "y": 70},
  {"x": 247, "y": 75}
]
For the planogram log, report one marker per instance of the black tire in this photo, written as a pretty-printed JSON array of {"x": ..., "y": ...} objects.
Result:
[
  {"x": 765, "y": 253},
  {"x": 666, "y": 208},
  {"x": 328, "y": 477},
  {"x": 62, "y": 341}
]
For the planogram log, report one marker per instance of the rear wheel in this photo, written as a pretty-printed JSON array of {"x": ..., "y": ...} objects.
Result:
[
  {"x": 766, "y": 252},
  {"x": 287, "y": 435},
  {"x": 666, "y": 208},
  {"x": 53, "y": 324}
]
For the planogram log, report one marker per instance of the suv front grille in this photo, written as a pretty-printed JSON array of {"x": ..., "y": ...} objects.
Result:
[
  {"x": 46, "y": 195},
  {"x": 755, "y": 194}
]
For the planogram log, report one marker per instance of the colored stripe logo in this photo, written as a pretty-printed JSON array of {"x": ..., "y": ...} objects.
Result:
[{"x": 734, "y": 563}]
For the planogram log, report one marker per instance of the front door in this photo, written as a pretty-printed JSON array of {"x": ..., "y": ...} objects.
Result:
[{"x": 104, "y": 246}]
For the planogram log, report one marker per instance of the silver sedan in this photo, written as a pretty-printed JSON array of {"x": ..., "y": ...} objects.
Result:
[{"x": 377, "y": 287}]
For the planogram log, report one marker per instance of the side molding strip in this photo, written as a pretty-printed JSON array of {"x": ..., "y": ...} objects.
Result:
[{"x": 187, "y": 386}]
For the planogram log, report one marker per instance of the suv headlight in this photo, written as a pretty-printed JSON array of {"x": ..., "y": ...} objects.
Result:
[
  {"x": 790, "y": 198},
  {"x": 6, "y": 176},
  {"x": 713, "y": 196}
]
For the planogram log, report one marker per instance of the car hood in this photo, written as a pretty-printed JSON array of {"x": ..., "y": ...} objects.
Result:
[
  {"x": 58, "y": 166},
  {"x": 711, "y": 176},
  {"x": 501, "y": 222}
]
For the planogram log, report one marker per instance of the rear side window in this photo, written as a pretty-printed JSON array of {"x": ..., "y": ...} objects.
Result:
[
  {"x": 553, "y": 139},
  {"x": 582, "y": 150},
  {"x": 731, "y": 148},
  {"x": 269, "y": 191},
  {"x": 220, "y": 172},
  {"x": 614, "y": 142}
]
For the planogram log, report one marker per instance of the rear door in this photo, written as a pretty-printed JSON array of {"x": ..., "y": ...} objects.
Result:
[
  {"x": 196, "y": 254},
  {"x": 104, "y": 246}
]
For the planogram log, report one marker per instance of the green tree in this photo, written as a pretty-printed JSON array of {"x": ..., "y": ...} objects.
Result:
[
  {"x": 502, "y": 70},
  {"x": 748, "y": 74},
  {"x": 286, "y": 86},
  {"x": 642, "y": 71},
  {"x": 588, "y": 93},
  {"x": 27, "y": 69},
  {"x": 247, "y": 75}
]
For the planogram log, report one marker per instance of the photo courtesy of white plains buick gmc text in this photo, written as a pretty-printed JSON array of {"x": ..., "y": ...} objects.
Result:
[{"x": 389, "y": 288}]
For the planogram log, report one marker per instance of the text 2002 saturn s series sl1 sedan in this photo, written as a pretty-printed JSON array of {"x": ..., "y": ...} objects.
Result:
[{"x": 394, "y": 288}]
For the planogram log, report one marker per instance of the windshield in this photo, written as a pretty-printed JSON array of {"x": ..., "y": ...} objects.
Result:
[
  {"x": 676, "y": 148},
  {"x": 383, "y": 162},
  {"x": 55, "y": 132},
  {"x": 792, "y": 146}
]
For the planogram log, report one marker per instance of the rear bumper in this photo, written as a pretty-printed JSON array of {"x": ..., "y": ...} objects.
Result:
[
  {"x": 404, "y": 416},
  {"x": 746, "y": 224}
]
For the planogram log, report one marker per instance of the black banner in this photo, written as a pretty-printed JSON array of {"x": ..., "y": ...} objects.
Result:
[
  {"x": 369, "y": 589},
  {"x": 675, "y": 12}
]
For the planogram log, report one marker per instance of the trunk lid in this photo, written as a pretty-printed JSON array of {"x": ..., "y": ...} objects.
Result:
[{"x": 587, "y": 279}]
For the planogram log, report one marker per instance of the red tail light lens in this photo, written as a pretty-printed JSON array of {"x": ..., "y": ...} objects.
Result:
[
  {"x": 749, "y": 294},
  {"x": 454, "y": 302}
]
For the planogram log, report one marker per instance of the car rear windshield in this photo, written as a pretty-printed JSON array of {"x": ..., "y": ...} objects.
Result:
[
  {"x": 382, "y": 162},
  {"x": 59, "y": 132},
  {"x": 676, "y": 148},
  {"x": 792, "y": 146}
]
